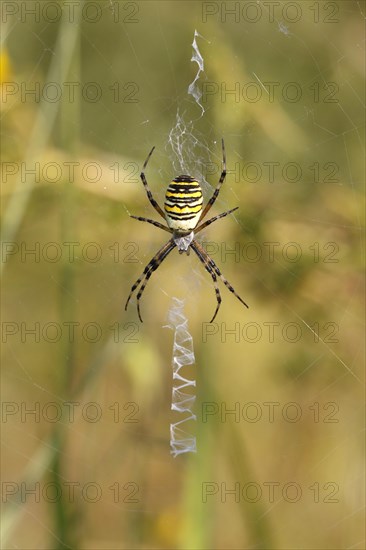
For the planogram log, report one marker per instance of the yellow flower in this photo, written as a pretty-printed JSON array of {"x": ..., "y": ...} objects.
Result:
[{"x": 5, "y": 66}]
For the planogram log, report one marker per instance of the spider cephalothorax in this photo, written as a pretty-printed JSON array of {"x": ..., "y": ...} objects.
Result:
[{"x": 183, "y": 214}]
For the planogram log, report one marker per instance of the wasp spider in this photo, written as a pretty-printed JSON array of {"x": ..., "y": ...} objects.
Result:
[{"x": 183, "y": 214}]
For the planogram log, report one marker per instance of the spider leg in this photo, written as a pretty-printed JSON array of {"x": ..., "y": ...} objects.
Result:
[
  {"x": 153, "y": 222},
  {"x": 218, "y": 187},
  {"x": 149, "y": 269},
  {"x": 147, "y": 189},
  {"x": 196, "y": 246},
  {"x": 213, "y": 275},
  {"x": 211, "y": 220}
]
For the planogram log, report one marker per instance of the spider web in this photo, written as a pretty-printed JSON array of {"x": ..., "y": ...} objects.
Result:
[{"x": 187, "y": 128}]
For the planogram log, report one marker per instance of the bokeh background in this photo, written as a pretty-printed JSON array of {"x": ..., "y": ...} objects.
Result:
[{"x": 91, "y": 466}]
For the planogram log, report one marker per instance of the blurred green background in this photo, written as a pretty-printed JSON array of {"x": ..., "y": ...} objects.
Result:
[{"x": 91, "y": 467}]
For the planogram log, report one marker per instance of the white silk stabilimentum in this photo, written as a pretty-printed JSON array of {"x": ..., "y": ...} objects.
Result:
[
  {"x": 183, "y": 143},
  {"x": 182, "y": 402},
  {"x": 193, "y": 88}
]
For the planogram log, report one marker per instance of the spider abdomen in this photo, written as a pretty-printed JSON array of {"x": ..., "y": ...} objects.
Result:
[{"x": 183, "y": 203}]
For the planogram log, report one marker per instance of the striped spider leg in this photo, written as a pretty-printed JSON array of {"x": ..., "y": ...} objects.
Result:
[{"x": 148, "y": 271}]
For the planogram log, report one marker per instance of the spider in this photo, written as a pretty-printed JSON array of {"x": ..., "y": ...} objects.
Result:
[{"x": 183, "y": 214}]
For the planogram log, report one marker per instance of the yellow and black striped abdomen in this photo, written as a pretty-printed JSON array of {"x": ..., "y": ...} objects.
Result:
[{"x": 183, "y": 203}]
